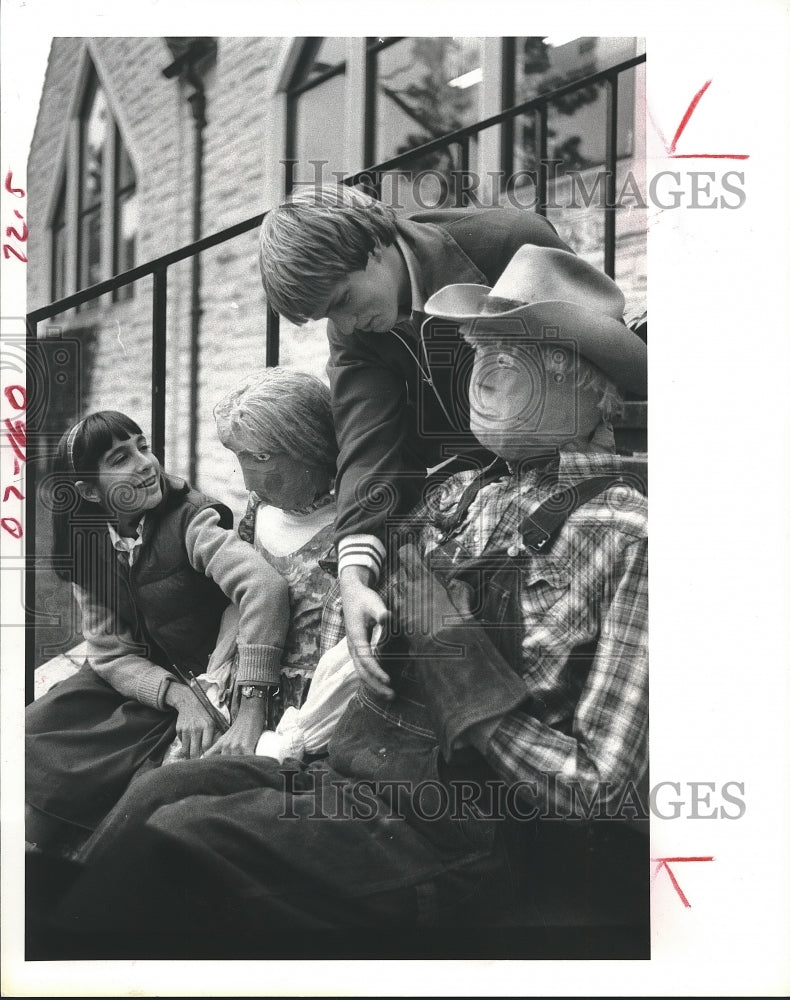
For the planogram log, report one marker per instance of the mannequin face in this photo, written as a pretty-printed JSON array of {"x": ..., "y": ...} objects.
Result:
[
  {"x": 282, "y": 481},
  {"x": 519, "y": 407}
]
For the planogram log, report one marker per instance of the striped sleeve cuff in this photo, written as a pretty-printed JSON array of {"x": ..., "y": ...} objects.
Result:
[
  {"x": 258, "y": 664},
  {"x": 361, "y": 550}
]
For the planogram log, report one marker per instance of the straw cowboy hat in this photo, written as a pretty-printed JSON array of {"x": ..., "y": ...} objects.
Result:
[{"x": 553, "y": 294}]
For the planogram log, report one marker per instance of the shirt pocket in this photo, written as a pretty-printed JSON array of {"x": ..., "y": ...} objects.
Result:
[{"x": 547, "y": 602}]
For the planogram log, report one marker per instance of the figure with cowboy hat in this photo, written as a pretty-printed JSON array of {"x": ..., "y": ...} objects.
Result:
[
  {"x": 507, "y": 708},
  {"x": 399, "y": 377}
]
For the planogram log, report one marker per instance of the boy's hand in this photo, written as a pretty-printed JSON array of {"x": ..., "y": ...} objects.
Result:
[
  {"x": 194, "y": 727},
  {"x": 243, "y": 735},
  {"x": 363, "y": 609}
]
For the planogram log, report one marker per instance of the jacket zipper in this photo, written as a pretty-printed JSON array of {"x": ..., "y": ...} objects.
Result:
[{"x": 423, "y": 371}]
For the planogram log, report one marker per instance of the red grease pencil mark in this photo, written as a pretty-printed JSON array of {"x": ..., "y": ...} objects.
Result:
[
  {"x": 664, "y": 863},
  {"x": 681, "y": 128},
  {"x": 9, "y": 186},
  {"x": 685, "y": 120},
  {"x": 11, "y": 231}
]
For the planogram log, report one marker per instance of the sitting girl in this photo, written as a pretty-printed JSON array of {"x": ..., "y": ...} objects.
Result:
[{"x": 153, "y": 565}]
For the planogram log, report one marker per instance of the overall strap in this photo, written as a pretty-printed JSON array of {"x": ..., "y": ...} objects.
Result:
[
  {"x": 538, "y": 528},
  {"x": 489, "y": 474}
]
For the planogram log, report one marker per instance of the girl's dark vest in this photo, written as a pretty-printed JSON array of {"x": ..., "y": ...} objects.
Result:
[{"x": 171, "y": 608}]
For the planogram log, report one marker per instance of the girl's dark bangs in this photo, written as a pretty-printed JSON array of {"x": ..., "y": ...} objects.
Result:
[
  {"x": 119, "y": 425},
  {"x": 100, "y": 430}
]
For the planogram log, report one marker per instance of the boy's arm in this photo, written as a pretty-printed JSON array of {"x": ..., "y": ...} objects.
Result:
[
  {"x": 253, "y": 585},
  {"x": 373, "y": 478},
  {"x": 606, "y": 746},
  {"x": 368, "y": 403},
  {"x": 117, "y": 658}
]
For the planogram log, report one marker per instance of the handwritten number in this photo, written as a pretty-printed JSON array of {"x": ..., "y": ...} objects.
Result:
[
  {"x": 16, "y": 396},
  {"x": 10, "y": 250},
  {"x": 16, "y": 192},
  {"x": 22, "y": 237},
  {"x": 12, "y": 526}
]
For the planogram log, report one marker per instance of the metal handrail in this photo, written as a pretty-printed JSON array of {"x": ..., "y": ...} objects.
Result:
[
  {"x": 533, "y": 104},
  {"x": 402, "y": 159}
]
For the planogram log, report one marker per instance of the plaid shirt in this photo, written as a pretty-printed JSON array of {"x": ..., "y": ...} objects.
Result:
[{"x": 589, "y": 727}]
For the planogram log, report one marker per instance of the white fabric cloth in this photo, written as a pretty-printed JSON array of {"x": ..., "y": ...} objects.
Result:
[
  {"x": 283, "y": 532},
  {"x": 308, "y": 729}
]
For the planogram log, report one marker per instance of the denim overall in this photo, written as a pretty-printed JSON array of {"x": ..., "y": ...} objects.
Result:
[{"x": 394, "y": 740}]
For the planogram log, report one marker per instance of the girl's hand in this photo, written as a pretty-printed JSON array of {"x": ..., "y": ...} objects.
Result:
[
  {"x": 242, "y": 737},
  {"x": 194, "y": 726}
]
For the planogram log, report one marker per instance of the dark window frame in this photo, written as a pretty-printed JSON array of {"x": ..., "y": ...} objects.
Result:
[
  {"x": 106, "y": 207},
  {"x": 301, "y": 84}
]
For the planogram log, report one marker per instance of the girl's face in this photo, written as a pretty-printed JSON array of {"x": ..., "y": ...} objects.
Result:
[
  {"x": 282, "y": 481},
  {"x": 128, "y": 479}
]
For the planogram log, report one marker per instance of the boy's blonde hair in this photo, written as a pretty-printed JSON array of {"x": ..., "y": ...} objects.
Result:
[
  {"x": 313, "y": 241},
  {"x": 280, "y": 411}
]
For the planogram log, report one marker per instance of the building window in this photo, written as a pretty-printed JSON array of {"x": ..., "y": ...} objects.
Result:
[
  {"x": 419, "y": 89},
  {"x": 315, "y": 142},
  {"x": 100, "y": 182},
  {"x": 58, "y": 276},
  {"x": 423, "y": 88},
  {"x": 124, "y": 216},
  {"x": 576, "y": 123},
  {"x": 93, "y": 157}
]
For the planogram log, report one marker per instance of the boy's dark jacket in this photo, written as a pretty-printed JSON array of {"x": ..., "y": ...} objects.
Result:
[
  {"x": 170, "y": 607},
  {"x": 389, "y": 424}
]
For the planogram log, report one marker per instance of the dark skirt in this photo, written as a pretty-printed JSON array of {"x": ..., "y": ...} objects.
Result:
[{"x": 84, "y": 742}]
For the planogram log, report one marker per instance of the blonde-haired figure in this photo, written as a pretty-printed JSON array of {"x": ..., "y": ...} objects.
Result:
[{"x": 278, "y": 423}]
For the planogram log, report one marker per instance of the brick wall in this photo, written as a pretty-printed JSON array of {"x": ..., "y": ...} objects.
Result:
[{"x": 242, "y": 144}]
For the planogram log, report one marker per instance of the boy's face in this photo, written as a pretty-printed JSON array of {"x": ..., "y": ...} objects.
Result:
[
  {"x": 520, "y": 406},
  {"x": 371, "y": 300}
]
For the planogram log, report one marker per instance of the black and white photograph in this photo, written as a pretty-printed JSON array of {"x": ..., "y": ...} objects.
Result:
[{"x": 325, "y": 508}]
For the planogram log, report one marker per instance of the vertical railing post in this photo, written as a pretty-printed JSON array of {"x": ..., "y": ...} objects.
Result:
[
  {"x": 542, "y": 150},
  {"x": 610, "y": 207},
  {"x": 461, "y": 199},
  {"x": 159, "y": 364},
  {"x": 272, "y": 337},
  {"x": 508, "y": 97}
]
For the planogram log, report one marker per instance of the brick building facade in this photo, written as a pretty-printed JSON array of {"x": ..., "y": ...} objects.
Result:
[{"x": 240, "y": 171}]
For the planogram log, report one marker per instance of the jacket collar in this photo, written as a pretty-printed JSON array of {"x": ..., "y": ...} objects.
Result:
[{"x": 440, "y": 260}]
